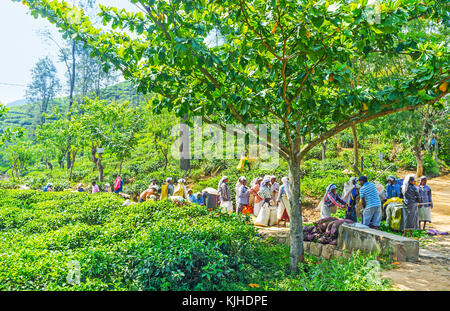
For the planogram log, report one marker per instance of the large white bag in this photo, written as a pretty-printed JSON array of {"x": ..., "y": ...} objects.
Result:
[
  {"x": 283, "y": 205},
  {"x": 273, "y": 219},
  {"x": 381, "y": 191},
  {"x": 257, "y": 208},
  {"x": 348, "y": 187},
  {"x": 263, "y": 216},
  {"x": 227, "y": 206}
]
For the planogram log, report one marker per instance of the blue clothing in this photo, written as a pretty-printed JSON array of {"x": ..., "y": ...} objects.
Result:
[
  {"x": 370, "y": 193},
  {"x": 372, "y": 216},
  {"x": 351, "y": 209},
  {"x": 199, "y": 200},
  {"x": 243, "y": 195},
  {"x": 121, "y": 187},
  {"x": 192, "y": 198},
  {"x": 393, "y": 191}
]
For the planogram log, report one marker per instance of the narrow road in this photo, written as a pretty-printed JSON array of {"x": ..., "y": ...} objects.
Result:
[{"x": 432, "y": 272}]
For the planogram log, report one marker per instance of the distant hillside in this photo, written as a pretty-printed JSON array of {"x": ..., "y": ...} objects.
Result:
[
  {"x": 16, "y": 103},
  {"x": 22, "y": 114}
]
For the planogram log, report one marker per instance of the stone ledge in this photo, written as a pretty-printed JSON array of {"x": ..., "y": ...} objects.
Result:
[{"x": 371, "y": 240}]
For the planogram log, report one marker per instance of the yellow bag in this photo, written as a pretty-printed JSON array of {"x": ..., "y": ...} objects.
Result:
[
  {"x": 164, "y": 192},
  {"x": 179, "y": 190},
  {"x": 396, "y": 219},
  {"x": 395, "y": 199},
  {"x": 242, "y": 163}
]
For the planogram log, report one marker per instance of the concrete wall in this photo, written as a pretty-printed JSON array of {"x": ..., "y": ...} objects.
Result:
[
  {"x": 371, "y": 240},
  {"x": 351, "y": 238}
]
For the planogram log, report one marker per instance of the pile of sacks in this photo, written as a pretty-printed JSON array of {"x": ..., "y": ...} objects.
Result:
[
  {"x": 324, "y": 231},
  {"x": 266, "y": 216}
]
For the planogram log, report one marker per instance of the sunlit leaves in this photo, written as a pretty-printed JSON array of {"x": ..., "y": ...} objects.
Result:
[{"x": 316, "y": 67}]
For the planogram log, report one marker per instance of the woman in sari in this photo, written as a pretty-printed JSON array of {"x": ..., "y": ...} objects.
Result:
[
  {"x": 118, "y": 184},
  {"x": 224, "y": 195},
  {"x": 257, "y": 203},
  {"x": 237, "y": 187},
  {"x": 410, "y": 201},
  {"x": 264, "y": 191},
  {"x": 330, "y": 199},
  {"x": 283, "y": 201},
  {"x": 426, "y": 203},
  {"x": 180, "y": 189}
]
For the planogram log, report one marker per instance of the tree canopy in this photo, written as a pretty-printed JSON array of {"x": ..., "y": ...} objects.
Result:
[{"x": 308, "y": 65}]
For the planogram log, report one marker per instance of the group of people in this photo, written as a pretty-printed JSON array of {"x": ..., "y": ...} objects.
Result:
[
  {"x": 251, "y": 198},
  {"x": 416, "y": 200},
  {"x": 80, "y": 188}
]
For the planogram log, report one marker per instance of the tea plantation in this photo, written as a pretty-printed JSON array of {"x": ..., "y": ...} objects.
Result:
[{"x": 149, "y": 246}]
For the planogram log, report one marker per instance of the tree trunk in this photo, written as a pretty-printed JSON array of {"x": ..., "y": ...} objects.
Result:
[
  {"x": 419, "y": 161},
  {"x": 296, "y": 226},
  {"x": 74, "y": 154},
  {"x": 436, "y": 149},
  {"x": 50, "y": 166},
  {"x": 185, "y": 162},
  {"x": 324, "y": 149},
  {"x": 71, "y": 91},
  {"x": 100, "y": 168},
  {"x": 355, "y": 151}
]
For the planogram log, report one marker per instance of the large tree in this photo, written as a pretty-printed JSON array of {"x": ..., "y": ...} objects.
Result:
[
  {"x": 43, "y": 87},
  {"x": 301, "y": 63},
  {"x": 113, "y": 127}
]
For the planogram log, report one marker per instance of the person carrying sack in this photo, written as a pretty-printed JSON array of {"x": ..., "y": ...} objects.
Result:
[
  {"x": 283, "y": 202},
  {"x": 224, "y": 195}
]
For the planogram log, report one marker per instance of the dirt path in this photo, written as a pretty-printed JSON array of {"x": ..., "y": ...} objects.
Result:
[{"x": 432, "y": 272}]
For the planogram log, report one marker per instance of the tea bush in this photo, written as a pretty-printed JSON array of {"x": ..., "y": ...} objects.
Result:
[{"x": 147, "y": 246}]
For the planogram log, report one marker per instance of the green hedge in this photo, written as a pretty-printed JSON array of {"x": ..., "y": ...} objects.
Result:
[{"x": 148, "y": 246}]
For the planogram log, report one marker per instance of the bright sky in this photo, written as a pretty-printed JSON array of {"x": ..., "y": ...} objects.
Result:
[{"x": 21, "y": 46}]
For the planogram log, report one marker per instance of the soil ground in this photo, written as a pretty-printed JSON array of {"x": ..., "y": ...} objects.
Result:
[{"x": 429, "y": 274}]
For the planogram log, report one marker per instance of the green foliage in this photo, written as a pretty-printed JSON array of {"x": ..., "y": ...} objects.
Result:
[
  {"x": 148, "y": 246},
  {"x": 430, "y": 167}
]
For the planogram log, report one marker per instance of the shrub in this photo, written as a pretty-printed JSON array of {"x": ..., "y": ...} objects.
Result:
[
  {"x": 148, "y": 246},
  {"x": 430, "y": 167}
]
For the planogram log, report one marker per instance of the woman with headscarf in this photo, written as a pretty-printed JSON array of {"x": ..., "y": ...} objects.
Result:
[
  {"x": 331, "y": 198},
  {"x": 353, "y": 197},
  {"x": 224, "y": 195},
  {"x": 283, "y": 201},
  {"x": 169, "y": 187},
  {"x": 243, "y": 196},
  {"x": 254, "y": 192},
  {"x": 392, "y": 188},
  {"x": 236, "y": 188},
  {"x": 95, "y": 187},
  {"x": 264, "y": 191},
  {"x": 108, "y": 187},
  {"x": 146, "y": 194},
  {"x": 180, "y": 189},
  {"x": 410, "y": 201},
  {"x": 48, "y": 187},
  {"x": 199, "y": 199},
  {"x": 426, "y": 203},
  {"x": 274, "y": 188},
  {"x": 118, "y": 184}
]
